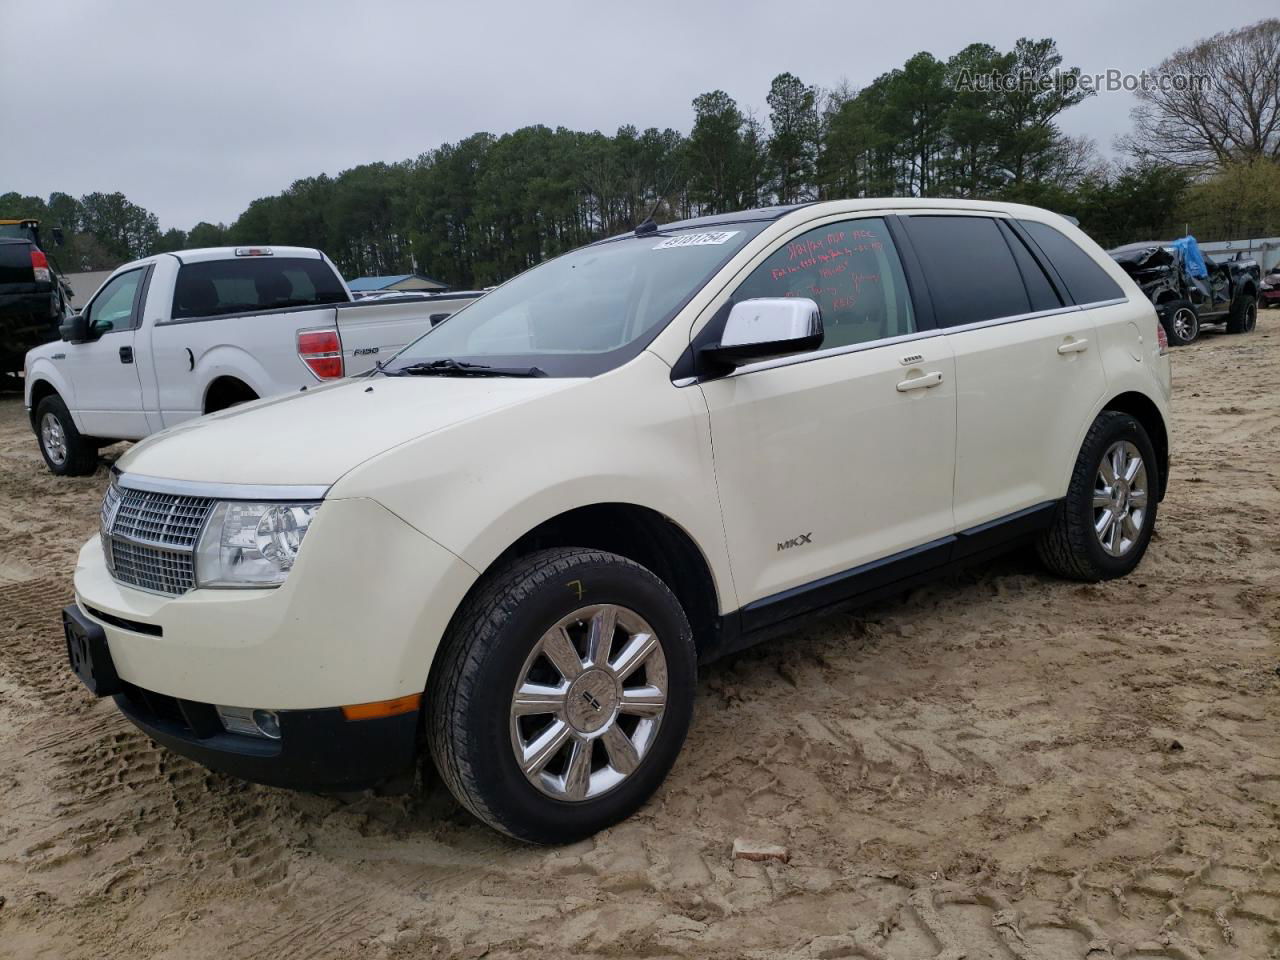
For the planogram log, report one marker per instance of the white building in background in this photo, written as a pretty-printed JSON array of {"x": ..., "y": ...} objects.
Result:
[{"x": 402, "y": 283}]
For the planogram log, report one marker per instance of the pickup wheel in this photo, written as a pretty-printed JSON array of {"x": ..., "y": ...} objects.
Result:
[
  {"x": 1244, "y": 314},
  {"x": 66, "y": 452},
  {"x": 1102, "y": 527},
  {"x": 1181, "y": 323},
  {"x": 561, "y": 694}
]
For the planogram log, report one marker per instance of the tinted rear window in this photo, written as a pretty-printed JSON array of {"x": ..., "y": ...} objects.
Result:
[
  {"x": 245, "y": 284},
  {"x": 1086, "y": 281},
  {"x": 971, "y": 272}
]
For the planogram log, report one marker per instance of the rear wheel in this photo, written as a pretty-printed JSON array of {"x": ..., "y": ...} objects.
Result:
[
  {"x": 1181, "y": 323},
  {"x": 65, "y": 451},
  {"x": 562, "y": 694},
  {"x": 1102, "y": 527},
  {"x": 1244, "y": 314}
]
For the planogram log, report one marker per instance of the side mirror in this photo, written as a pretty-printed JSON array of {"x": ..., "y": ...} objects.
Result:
[
  {"x": 764, "y": 329},
  {"x": 58, "y": 237},
  {"x": 75, "y": 329},
  {"x": 439, "y": 318}
]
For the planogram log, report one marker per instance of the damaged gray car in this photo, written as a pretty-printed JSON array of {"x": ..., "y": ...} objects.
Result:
[{"x": 1190, "y": 289}]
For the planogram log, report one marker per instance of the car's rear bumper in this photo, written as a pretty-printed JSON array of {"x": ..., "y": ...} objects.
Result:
[{"x": 23, "y": 304}]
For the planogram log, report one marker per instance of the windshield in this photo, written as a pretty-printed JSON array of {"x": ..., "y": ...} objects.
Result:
[{"x": 588, "y": 311}]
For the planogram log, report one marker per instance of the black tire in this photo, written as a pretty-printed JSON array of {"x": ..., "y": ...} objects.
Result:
[
  {"x": 81, "y": 453},
  {"x": 484, "y": 651},
  {"x": 1244, "y": 314},
  {"x": 1181, "y": 322},
  {"x": 1071, "y": 546}
]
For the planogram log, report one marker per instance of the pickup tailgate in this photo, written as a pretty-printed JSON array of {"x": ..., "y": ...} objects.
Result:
[
  {"x": 376, "y": 329},
  {"x": 16, "y": 275}
]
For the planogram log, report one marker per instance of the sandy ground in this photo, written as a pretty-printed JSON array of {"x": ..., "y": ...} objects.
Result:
[{"x": 1002, "y": 765}]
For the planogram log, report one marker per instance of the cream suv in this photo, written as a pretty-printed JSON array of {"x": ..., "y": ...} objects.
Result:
[{"x": 512, "y": 545}]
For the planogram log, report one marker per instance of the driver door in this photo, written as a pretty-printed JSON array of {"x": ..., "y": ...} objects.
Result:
[
  {"x": 839, "y": 462},
  {"x": 102, "y": 371}
]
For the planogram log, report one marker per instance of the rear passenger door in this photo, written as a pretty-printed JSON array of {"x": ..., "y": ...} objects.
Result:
[{"x": 1028, "y": 371}]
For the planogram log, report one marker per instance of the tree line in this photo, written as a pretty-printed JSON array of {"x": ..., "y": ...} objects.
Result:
[{"x": 480, "y": 210}]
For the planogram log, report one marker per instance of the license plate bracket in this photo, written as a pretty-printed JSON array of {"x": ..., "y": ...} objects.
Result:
[{"x": 88, "y": 653}]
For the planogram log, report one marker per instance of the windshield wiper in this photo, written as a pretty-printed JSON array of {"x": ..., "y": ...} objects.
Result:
[{"x": 448, "y": 367}]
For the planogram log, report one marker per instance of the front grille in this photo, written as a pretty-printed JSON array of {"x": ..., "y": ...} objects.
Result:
[
  {"x": 160, "y": 571},
  {"x": 150, "y": 538},
  {"x": 161, "y": 518}
]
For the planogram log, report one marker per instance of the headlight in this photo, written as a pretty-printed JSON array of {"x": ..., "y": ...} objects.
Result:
[{"x": 251, "y": 544}]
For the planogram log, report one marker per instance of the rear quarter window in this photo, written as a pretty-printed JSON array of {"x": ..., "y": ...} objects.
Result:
[
  {"x": 1086, "y": 282},
  {"x": 218, "y": 287}
]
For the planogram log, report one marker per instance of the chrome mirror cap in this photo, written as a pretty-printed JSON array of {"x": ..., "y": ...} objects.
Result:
[{"x": 763, "y": 329}]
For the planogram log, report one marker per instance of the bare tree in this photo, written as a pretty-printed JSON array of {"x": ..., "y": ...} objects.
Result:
[{"x": 1234, "y": 115}]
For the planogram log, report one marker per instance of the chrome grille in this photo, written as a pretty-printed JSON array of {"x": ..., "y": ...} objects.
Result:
[
  {"x": 150, "y": 538},
  {"x": 165, "y": 519},
  {"x": 160, "y": 571}
]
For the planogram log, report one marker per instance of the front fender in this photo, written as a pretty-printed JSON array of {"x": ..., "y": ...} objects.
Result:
[
  {"x": 43, "y": 369},
  {"x": 627, "y": 437}
]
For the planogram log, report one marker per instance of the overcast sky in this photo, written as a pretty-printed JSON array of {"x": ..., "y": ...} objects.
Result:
[{"x": 195, "y": 109}]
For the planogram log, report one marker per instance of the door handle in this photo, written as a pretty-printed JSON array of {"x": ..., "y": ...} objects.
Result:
[
  {"x": 1073, "y": 346},
  {"x": 126, "y": 354},
  {"x": 921, "y": 383}
]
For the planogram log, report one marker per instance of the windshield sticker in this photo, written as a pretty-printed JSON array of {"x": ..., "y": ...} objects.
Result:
[{"x": 698, "y": 239}]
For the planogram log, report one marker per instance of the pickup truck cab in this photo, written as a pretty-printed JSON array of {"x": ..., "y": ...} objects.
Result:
[
  {"x": 512, "y": 546},
  {"x": 171, "y": 337}
]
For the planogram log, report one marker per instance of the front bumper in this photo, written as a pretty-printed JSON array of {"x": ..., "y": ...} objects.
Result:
[
  {"x": 357, "y": 621},
  {"x": 317, "y": 749}
]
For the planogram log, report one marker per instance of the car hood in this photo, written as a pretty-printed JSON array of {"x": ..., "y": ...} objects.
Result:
[{"x": 316, "y": 436}]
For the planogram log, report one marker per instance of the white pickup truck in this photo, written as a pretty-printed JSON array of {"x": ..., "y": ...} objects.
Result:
[{"x": 178, "y": 335}]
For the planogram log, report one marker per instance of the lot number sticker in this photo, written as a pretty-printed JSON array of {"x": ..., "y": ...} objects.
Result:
[{"x": 697, "y": 239}]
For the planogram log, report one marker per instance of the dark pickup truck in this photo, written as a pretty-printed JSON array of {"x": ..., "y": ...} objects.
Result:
[
  {"x": 33, "y": 298},
  {"x": 1189, "y": 289}
]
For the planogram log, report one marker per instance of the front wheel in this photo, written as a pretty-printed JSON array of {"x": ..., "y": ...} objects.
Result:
[
  {"x": 66, "y": 452},
  {"x": 561, "y": 694},
  {"x": 1102, "y": 527},
  {"x": 1183, "y": 323}
]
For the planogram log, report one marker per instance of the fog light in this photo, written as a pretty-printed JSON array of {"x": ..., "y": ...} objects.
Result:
[
  {"x": 268, "y": 722},
  {"x": 249, "y": 722}
]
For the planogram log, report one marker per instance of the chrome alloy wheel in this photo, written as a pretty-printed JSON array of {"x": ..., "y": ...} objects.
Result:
[
  {"x": 53, "y": 439},
  {"x": 1184, "y": 324},
  {"x": 1120, "y": 498},
  {"x": 588, "y": 702}
]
